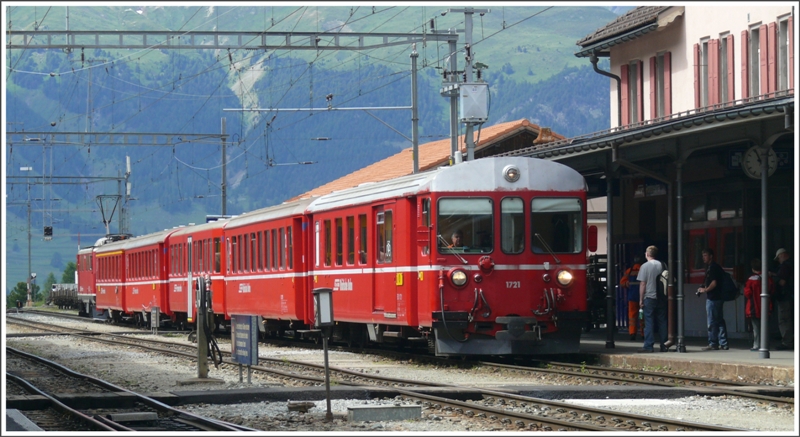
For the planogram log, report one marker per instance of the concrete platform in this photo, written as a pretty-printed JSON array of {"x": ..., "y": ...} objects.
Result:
[
  {"x": 16, "y": 421},
  {"x": 736, "y": 363}
]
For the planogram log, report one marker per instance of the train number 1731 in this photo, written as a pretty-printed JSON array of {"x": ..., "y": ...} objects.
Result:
[{"x": 512, "y": 284}]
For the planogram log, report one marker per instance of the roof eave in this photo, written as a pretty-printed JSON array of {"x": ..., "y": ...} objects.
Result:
[{"x": 602, "y": 48}]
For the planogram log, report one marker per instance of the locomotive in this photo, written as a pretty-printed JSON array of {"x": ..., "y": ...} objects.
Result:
[{"x": 487, "y": 257}]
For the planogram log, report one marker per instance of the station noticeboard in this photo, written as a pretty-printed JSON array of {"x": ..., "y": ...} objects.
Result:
[{"x": 244, "y": 339}]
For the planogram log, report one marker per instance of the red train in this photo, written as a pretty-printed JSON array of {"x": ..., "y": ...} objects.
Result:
[{"x": 487, "y": 257}]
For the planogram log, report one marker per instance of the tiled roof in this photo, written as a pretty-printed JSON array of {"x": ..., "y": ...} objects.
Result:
[
  {"x": 634, "y": 18},
  {"x": 431, "y": 155}
]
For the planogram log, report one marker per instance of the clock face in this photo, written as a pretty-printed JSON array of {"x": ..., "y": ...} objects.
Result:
[{"x": 751, "y": 162}]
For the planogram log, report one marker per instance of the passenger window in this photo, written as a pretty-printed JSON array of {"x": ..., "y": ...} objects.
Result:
[
  {"x": 362, "y": 241},
  {"x": 384, "y": 233},
  {"x": 339, "y": 246},
  {"x": 351, "y": 235},
  {"x": 327, "y": 224}
]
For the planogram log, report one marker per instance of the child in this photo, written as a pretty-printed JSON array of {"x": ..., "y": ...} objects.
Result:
[{"x": 752, "y": 302}]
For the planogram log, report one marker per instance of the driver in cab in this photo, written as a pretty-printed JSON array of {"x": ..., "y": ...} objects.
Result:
[{"x": 457, "y": 240}]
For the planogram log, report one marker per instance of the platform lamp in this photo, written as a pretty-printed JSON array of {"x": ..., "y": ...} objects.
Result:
[{"x": 323, "y": 320}]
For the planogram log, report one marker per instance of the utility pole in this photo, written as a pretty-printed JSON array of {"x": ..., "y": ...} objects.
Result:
[
  {"x": 414, "y": 115},
  {"x": 224, "y": 171}
]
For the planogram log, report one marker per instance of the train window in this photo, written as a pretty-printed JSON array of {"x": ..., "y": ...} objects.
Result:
[
  {"x": 216, "y": 256},
  {"x": 275, "y": 249},
  {"x": 260, "y": 255},
  {"x": 327, "y": 226},
  {"x": 426, "y": 221},
  {"x": 240, "y": 264},
  {"x": 252, "y": 263},
  {"x": 267, "y": 246},
  {"x": 235, "y": 252},
  {"x": 289, "y": 263},
  {"x": 200, "y": 255},
  {"x": 512, "y": 225},
  {"x": 362, "y": 243},
  {"x": 282, "y": 248},
  {"x": 556, "y": 225},
  {"x": 384, "y": 232},
  {"x": 339, "y": 245},
  {"x": 351, "y": 235},
  {"x": 472, "y": 218},
  {"x": 228, "y": 259}
]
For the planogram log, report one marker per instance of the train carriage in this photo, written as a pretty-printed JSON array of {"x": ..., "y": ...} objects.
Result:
[
  {"x": 266, "y": 272},
  {"x": 515, "y": 286},
  {"x": 145, "y": 260},
  {"x": 196, "y": 251},
  {"x": 109, "y": 265},
  {"x": 84, "y": 268}
]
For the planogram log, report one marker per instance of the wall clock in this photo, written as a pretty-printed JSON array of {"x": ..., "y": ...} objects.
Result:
[{"x": 751, "y": 162}]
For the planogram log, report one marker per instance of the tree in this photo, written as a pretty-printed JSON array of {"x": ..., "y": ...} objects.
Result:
[
  {"x": 69, "y": 273},
  {"x": 20, "y": 293}
]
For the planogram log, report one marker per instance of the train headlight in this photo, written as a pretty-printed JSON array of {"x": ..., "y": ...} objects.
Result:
[
  {"x": 511, "y": 173},
  {"x": 458, "y": 277},
  {"x": 564, "y": 278}
]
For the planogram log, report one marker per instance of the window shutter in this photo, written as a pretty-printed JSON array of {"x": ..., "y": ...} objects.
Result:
[
  {"x": 667, "y": 83},
  {"x": 790, "y": 31},
  {"x": 625, "y": 110},
  {"x": 762, "y": 47},
  {"x": 745, "y": 77},
  {"x": 653, "y": 105},
  {"x": 640, "y": 90},
  {"x": 772, "y": 49},
  {"x": 713, "y": 72},
  {"x": 731, "y": 66},
  {"x": 697, "y": 76}
]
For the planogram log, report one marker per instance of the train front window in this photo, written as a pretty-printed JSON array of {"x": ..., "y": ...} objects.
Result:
[
  {"x": 556, "y": 225},
  {"x": 512, "y": 225},
  {"x": 465, "y": 225}
]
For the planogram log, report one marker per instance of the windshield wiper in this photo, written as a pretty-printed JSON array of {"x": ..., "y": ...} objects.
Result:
[
  {"x": 546, "y": 246},
  {"x": 454, "y": 253}
]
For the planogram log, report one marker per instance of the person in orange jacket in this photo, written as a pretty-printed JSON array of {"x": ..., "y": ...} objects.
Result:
[
  {"x": 752, "y": 301},
  {"x": 630, "y": 283}
]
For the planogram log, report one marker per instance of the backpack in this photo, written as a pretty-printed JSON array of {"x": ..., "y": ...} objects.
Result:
[
  {"x": 730, "y": 289},
  {"x": 662, "y": 283}
]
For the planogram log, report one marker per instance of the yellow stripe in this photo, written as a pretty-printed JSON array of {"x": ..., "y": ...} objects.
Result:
[{"x": 99, "y": 255}]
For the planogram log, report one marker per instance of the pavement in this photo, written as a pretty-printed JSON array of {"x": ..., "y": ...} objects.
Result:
[{"x": 768, "y": 367}]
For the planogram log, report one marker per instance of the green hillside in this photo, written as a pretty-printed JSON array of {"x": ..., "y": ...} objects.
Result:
[{"x": 532, "y": 72}]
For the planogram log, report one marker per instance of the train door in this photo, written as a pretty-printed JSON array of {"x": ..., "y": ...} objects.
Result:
[
  {"x": 384, "y": 291},
  {"x": 695, "y": 269},
  {"x": 189, "y": 280}
]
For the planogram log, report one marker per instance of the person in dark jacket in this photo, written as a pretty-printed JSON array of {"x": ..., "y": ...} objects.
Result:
[
  {"x": 784, "y": 295},
  {"x": 712, "y": 288},
  {"x": 752, "y": 301}
]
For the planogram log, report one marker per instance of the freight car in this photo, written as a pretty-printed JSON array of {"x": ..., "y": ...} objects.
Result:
[
  {"x": 487, "y": 257},
  {"x": 64, "y": 296}
]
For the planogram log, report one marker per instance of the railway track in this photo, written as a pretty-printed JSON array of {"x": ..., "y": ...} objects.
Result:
[
  {"x": 75, "y": 401},
  {"x": 522, "y": 412}
]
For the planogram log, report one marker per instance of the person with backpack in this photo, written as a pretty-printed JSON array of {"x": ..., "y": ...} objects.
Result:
[
  {"x": 784, "y": 296},
  {"x": 653, "y": 301},
  {"x": 752, "y": 302},
  {"x": 631, "y": 284},
  {"x": 712, "y": 288}
]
